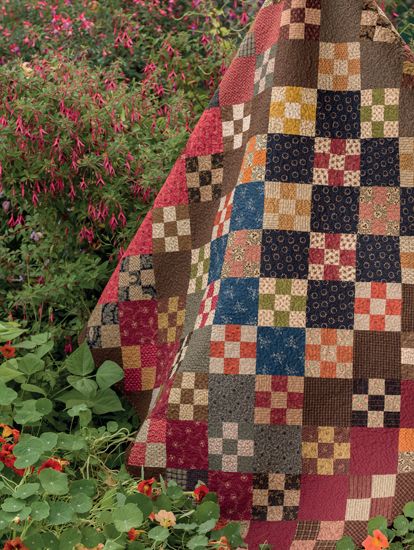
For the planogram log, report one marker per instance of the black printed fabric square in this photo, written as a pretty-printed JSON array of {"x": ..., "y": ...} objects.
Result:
[
  {"x": 335, "y": 209},
  {"x": 407, "y": 211},
  {"x": 338, "y": 114},
  {"x": 289, "y": 158},
  {"x": 378, "y": 258},
  {"x": 285, "y": 254},
  {"x": 204, "y": 177},
  {"x": 380, "y": 162}
]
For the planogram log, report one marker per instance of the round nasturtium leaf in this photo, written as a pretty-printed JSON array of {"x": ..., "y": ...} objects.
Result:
[
  {"x": 60, "y": 513},
  {"x": 40, "y": 510},
  {"x": 27, "y": 490},
  {"x": 12, "y": 505},
  {"x": 127, "y": 517},
  {"x": 81, "y": 503},
  {"x": 53, "y": 482}
]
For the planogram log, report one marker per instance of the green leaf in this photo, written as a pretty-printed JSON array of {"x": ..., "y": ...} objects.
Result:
[
  {"x": 127, "y": 517},
  {"x": 199, "y": 541},
  {"x": 28, "y": 451},
  {"x": 81, "y": 503},
  {"x": 44, "y": 406},
  {"x": 49, "y": 440},
  {"x": 108, "y": 374},
  {"x": 158, "y": 533},
  {"x": 7, "y": 395},
  {"x": 40, "y": 510},
  {"x": 207, "y": 510},
  {"x": 12, "y": 505},
  {"x": 9, "y": 371},
  {"x": 27, "y": 490},
  {"x": 90, "y": 537},
  {"x": 142, "y": 501},
  {"x": 80, "y": 362},
  {"x": 83, "y": 487},
  {"x": 30, "y": 364},
  {"x": 69, "y": 538},
  {"x": 10, "y": 330},
  {"x": 346, "y": 543},
  {"x": 409, "y": 509},
  {"x": 5, "y": 519},
  {"x": 31, "y": 388},
  {"x": 60, "y": 513},
  {"x": 207, "y": 526},
  {"x": 113, "y": 545},
  {"x": 401, "y": 524},
  {"x": 107, "y": 401},
  {"x": 70, "y": 442},
  {"x": 84, "y": 386},
  {"x": 26, "y": 412},
  {"x": 378, "y": 522},
  {"x": 49, "y": 541},
  {"x": 53, "y": 482}
]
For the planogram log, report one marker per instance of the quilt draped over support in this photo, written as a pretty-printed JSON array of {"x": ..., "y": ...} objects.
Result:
[{"x": 264, "y": 311}]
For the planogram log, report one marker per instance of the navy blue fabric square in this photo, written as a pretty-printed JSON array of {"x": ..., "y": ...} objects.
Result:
[
  {"x": 248, "y": 204},
  {"x": 238, "y": 302},
  {"x": 289, "y": 158},
  {"x": 285, "y": 254},
  {"x": 378, "y": 258},
  {"x": 280, "y": 351},
  {"x": 407, "y": 211},
  {"x": 330, "y": 304},
  {"x": 380, "y": 162},
  {"x": 338, "y": 114},
  {"x": 217, "y": 253},
  {"x": 335, "y": 209}
]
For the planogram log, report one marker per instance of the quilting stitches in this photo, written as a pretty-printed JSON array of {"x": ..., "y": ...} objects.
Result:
[
  {"x": 171, "y": 229},
  {"x": 337, "y": 162},
  {"x": 276, "y": 496},
  {"x": 301, "y": 20},
  {"x": 236, "y": 124},
  {"x": 376, "y": 403},
  {"x": 293, "y": 111},
  {"x": 379, "y": 113},
  {"x": 279, "y": 400},
  {"x": 379, "y": 211},
  {"x": 378, "y": 306},
  {"x": 282, "y": 302},
  {"x": 204, "y": 177},
  {"x": 233, "y": 349},
  {"x": 329, "y": 353},
  {"x": 339, "y": 66},
  {"x": 332, "y": 257},
  {"x": 326, "y": 450},
  {"x": 287, "y": 206}
]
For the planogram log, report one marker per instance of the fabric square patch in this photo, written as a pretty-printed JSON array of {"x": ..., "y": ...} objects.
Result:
[
  {"x": 228, "y": 484},
  {"x": 254, "y": 160},
  {"x": 275, "y": 497},
  {"x": 277, "y": 449},
  {"x": 323, "y": 497},
  {"x": 378, "y": 306},
  {"x": 280, "y": 351},
  {"x": 406, "y": 450},
  {"x": 287, "y": 206},
  {"x": 247, "y": 212},
  {"x": 208, "y": 305},
  {"x": 265, "y": 68},
  {"x": 369, "y": 496},
  {"x": 407, "y": 355},
  {"x": 247, "y": 47},
  {"x": 285, "y": 254},
  {"x": 380, "y": 162},
  {"x": 374, "y": 463},
  {"x": 379, "y": 211},
  {"x": 282, "y": 302},
  {"x": 407, "y": 162},
  {"x": 239, "y": 403},
  {"x": 301, "y": 20},
  {"x": 330, "y": 304},
  {"x": 377, "y": 354},
  {"x": 407, "y": 259},
  {"x": 204, "y": 177},
  {"x": 136, "y": 278},
  {"x": 339, "y": 66},
  {"x": 236, "y": 125},
  {"x": 293, "y": 111},
  {"x": 328, "y": 353},
  {"x": 338, "y": 114},
  {"x": 407, "y": 211},
  {"x": 279, "y": 400},
  {"x": 328, "y": 402},
  {"x": 183, "y": 435},
  {"x": 332, "y": 256},
  {"x": 188, "y": 397},
  {"x": 376, "y": 26},
  {"x": 243, "y": 253},
  {"x": 407, "y": 403},
  {"x": 378, "y": 258},
  {"x": 376, "y": 403},
  {"x": 238, "y": 302},
  {"x": 222, "y": 220},
  {"x": 337, "y": 162},
  {"x": 379, "y": 113},
  {"x": 171, "y": 316},
  {"x": 171, "y": 231},
  {"x": 231, "y": 447},
  {"x": 200, "y": 265},
  {"x": 289, "y": 158},
  {"x": 314, "y": 531},
  {"x": 326, "y": 450},
  {"x": 138, "y": 322},
  {"x": 334, "y": 209},
  {"x": 233, "y": 349}
]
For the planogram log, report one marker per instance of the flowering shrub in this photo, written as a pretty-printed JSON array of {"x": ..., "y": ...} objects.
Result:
[{"x": 62, "y": 480}]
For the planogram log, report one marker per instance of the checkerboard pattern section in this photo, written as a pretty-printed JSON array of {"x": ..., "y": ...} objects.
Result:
[{"x": 264, "y": 312}]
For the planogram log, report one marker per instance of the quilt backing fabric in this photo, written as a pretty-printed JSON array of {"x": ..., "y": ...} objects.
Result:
[{"x": 264, "y": 311}]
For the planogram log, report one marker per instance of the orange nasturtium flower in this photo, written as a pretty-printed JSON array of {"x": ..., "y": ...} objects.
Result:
[
  {"x": 15, "y": 544},
  {"x": 57, "y": 464},
  {"x": 377, "y": 541},
  {"x": 200, "y": 492},
  {"x": 8, "y": 351},
  {"x": 165, "y": 519},
  {"x": 133, "y": 534},
  {"x": 223, "y": 544},
  {"x": 145, "y": 486}
]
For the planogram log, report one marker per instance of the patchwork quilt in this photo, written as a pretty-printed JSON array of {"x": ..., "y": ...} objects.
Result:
[{"x": 264, "y": 311}]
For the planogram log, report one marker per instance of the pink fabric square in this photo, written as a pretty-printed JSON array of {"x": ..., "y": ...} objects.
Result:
[
  {"x": 137, "y": 453},
  {"x": 266, "y": 35},
  {"x": 110, "y": 293},
  {"x": 233, "y": 89},
  {"x": 142, "y": 242},
  {"x": 187, "y": 446},
  {"x": 331, "y": 530},
  {"x": 278, "y": 534},
  {"x": 207, "y": 136},
  {"x": 407, "y": 404},
  {"x": 165, "y": 357},
  {"x": 374, "y": 450},
  {"x": 157, "y": 431},
  {"x": 174, "y": 191},
  {"x": 138, "y": 322},
  {"x": 323, "y": 497},
  {"x": 235, "y": 493},
  {"x": 133, "y": 380}
]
